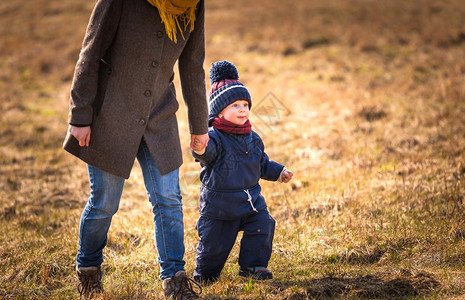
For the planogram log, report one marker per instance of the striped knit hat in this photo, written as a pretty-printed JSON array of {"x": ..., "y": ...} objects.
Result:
[{"x": 225, "y": 87}]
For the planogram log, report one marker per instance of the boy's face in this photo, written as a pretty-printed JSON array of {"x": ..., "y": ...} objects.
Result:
[{"x": 236, "y": 112}]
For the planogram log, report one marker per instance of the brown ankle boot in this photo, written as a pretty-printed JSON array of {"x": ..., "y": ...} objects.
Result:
[
  {"x": 180, "y": 287},
  {"x": 90, "y": 281}
]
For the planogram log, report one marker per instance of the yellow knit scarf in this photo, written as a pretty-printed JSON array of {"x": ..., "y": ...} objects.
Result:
[{"x": 173, "y": 11}]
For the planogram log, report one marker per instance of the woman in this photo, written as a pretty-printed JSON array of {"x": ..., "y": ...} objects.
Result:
[{"x": 122, "y": 106}]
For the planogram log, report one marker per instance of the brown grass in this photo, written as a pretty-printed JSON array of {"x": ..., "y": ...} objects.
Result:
[{"x": 363, "y": 100}]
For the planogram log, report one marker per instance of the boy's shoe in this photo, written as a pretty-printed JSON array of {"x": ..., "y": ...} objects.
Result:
[
  {"x": 205, "y": 280},
  {"x": 180, "y": 287},
  {"x": 90, "y": 281},
  {"x": 259, "y": 273}
]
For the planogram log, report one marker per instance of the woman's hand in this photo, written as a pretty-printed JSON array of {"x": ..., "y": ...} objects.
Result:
[
  {"x": 82, "y": 134},
  {"x": 199, "y": 142}
]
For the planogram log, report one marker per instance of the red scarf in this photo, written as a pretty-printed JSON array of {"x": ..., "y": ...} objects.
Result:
[{"x": 229, "y": 127}]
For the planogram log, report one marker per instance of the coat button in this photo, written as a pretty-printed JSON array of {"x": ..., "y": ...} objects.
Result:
[
  {"x": 147, "y": 93},
  {"x": 160, "y": 34},
  {"x": 155, "y": 63},
  {"x": 141, "y": 121}
]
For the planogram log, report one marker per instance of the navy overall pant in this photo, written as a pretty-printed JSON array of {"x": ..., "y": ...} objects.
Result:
[{"x": 217, "y": 238}]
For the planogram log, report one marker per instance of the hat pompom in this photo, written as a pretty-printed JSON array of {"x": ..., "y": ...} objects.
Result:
[{"x": 223, "y": 70}]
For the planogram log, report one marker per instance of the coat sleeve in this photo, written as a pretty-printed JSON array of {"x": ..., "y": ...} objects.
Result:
[
  {"x": 270, "y": 170},
  {"x": 192, "y": 75},
  {"x": 100, "y": 32}
]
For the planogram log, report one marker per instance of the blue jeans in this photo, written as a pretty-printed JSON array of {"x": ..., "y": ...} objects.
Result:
[{"x": 105, "y": 194}]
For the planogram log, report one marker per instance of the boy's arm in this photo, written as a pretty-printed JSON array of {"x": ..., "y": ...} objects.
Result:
[
  {"x": 270, "y": 170},
  {"x": 207, "y": 156},
  {"x": 200, "y": 152}
]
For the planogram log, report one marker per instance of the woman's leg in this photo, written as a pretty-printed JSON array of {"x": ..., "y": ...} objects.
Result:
[
  {"x": 165, "y": 196},
  {"x": 105, "y": 195}
]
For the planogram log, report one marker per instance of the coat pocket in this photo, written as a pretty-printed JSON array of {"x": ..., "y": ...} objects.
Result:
[{"x": 104, "y": 74}]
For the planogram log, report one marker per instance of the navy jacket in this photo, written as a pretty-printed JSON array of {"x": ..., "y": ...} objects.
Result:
[{"x": 232, "y": 166}]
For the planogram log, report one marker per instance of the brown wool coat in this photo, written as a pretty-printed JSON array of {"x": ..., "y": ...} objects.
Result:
[{"x": 123, "y": 86}]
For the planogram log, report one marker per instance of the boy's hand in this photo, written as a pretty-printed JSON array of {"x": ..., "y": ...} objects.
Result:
[
  {"x": 82, "y": 134},
  {"x": 199, "y": 142},
  {"x": 286, "y": 176}
]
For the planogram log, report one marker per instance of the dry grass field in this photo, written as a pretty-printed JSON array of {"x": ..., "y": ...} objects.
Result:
[{"x": 364, "y": 100}]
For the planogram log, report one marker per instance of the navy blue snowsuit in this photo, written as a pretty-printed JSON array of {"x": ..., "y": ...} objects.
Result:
[{"x": 230, "y": 201}]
